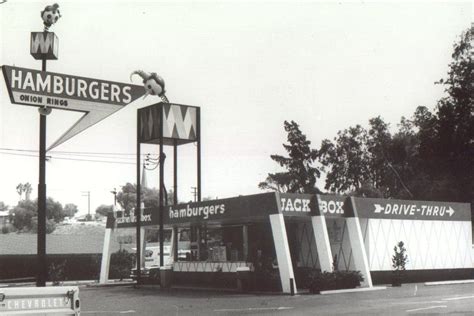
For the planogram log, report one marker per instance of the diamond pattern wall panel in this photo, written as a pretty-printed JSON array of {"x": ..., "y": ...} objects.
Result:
[
  {"x": 209, "y": 266},
  {"x": 307, "y": 252},
  {"x": 340, "y": 243},
  {"x": 429, "y": 244}
]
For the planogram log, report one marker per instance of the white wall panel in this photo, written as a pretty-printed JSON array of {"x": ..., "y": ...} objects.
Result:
[{"x": 429, "y": 244}]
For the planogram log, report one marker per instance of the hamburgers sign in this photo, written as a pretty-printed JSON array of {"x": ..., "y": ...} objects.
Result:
[{"x": 96, "y": 98}]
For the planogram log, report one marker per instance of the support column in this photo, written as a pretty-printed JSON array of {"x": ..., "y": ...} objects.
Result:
[
  {"x": 245, "y": 240},
  {"x": 175, "y": 171},
  {"x": 42, "y": 269},
  {"x": 138, "y": 205},
  {"x": 174, "y": 245},
  {"x": 142, "y": 246},
  {"x": 320, "y": 231},
  {"x": 105, "y": 262},
  {"x": 198, "y": 131},
  {"x": 356, "y": 239},
  {"x": 282, "y": 250},
  {"x": 106, "y": 249}
]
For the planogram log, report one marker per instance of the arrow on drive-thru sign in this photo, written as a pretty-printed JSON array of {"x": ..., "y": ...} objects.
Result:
[{"x": 96, "y": 98}]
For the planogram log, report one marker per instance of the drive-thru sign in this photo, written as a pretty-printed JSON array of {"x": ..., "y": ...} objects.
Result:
[{"x": 97, "y": 98}]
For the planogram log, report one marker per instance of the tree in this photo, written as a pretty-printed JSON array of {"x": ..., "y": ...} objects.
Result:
[
  {"x": 70, "y": 210},
  {"x": 22, "y": 214},
  {"x": 429, "y": 157},
  {"x": 3, "y": 206},
  {"x": 27, "y": 189},
  {"x": 20, "y": 190},
  {"x": 364, "y": 162},
  {"x": 104, "y": 209},
  {"x": 127, "y": 198},
  {"x": 300, "y": 176},
  {"x": 452, "y": 141},
  {"x": 346, "y": 160},
  {"x": 54, "y": 210}
]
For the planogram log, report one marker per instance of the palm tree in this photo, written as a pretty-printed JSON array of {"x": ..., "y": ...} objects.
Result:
[
  {"x": 28, "y": 189},
  {"x": 20, "y": 189}
]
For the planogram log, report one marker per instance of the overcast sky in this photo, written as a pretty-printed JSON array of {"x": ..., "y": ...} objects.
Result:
[{"x": 249, "y": 66}]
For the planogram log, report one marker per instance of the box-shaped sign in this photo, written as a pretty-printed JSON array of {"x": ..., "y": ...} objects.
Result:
[
  {"x": 169, "y": 122},
  {"x": 44, "y": 45}
]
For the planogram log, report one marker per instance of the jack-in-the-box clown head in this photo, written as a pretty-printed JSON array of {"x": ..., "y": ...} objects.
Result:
[
  {"x": 50, "y": 15},
  {"x": 154, "y": 84}
]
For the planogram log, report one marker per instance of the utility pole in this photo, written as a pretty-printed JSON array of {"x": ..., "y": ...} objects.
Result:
[
  {"x": 194, "y": 193},
  {"x": 114, "y": 192},
  {"x": 88, "y": 194}
]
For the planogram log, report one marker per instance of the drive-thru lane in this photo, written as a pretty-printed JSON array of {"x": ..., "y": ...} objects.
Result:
[{"x": 406, "y": 300}]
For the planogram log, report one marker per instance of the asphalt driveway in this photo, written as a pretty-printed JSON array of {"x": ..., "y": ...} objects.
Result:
[{"x": 408, "y": 299}]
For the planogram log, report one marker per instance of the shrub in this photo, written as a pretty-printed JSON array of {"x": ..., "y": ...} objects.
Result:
[
  {"x": 121, "y": 264},
  {"x": 323, "y": 281},
  {"x": 399, "y": 261},
  {"x": 56, "y": 272},
  {"x": 8, "y": 228}
]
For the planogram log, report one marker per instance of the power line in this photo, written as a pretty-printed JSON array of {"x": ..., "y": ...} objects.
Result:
[
  {"x": 73, "y": 152},
  {"x": 73, "y": 159},
  {"x": 91, "y": 160}
]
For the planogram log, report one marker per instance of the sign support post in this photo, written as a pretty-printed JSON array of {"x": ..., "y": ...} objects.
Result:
[
  {"x": 175, "y": 171},
  {"x": 198, "y": 132},
  {"x": 42, "y": 273},
  {"x": 138, "y": 206},
  {"x": 162, "y": 170}
]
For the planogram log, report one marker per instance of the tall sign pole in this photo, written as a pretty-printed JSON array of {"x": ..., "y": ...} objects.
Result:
[
  {"x": 198, "y": 132},
  {"x": 161, "y": 204},
  {"x": 138, "y": 206},
  {"x": 42, "y": 273},
  {"x": 44, "y": 46}
]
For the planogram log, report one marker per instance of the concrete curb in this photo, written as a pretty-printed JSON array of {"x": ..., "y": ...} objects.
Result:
[
  {"x": 362, "y": 289},
  {"x": 88, "y": 283},
  {"x": 111, "y": 284},
  {"x": 449, "y": 282}
]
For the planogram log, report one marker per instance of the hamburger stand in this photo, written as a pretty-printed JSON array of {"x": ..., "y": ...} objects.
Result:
[
  {"x": 232, "y": 238},
  {"x": 228, "y": 236},
  {"x": 298, "y": 231}
]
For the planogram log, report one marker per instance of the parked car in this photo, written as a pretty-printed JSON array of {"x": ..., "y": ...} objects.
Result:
[{"x": 152, "y": 262}]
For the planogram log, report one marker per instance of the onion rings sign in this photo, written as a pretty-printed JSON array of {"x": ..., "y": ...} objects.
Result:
[{"x": 97, "y": 98}]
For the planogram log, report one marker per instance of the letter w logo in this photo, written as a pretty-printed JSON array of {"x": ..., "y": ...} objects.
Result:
[
  {"x": 44, "y": 45},
  {"x": 179, "y": 122},
  {"x": 41, "y": 43}
]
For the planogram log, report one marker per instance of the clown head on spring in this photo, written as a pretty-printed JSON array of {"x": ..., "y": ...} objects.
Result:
[
  {"x": 50, "y": 15},
  {"x": 154, "y": 84}
]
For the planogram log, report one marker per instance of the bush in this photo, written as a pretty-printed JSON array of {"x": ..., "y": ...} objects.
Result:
[
  {"x": 8, "y": 228},
  {"x": 323, "y": 281},
  {"x": 399, "y": 261},
  {"x": 50, "y": 225},
  {"x": 56, "y": 272},
  {"x": 121, "y": 264}
]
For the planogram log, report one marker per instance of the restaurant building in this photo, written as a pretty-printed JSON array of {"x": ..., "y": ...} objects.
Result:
[{"x": 281, "y": 237}]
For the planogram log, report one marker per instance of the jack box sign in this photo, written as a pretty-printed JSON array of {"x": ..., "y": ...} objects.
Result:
[
  {"x": 96, "y": 98},
  {"x": 297, "y": 204}
]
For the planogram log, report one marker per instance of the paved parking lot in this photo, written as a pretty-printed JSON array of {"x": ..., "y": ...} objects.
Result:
[{"x": 409, "y": 299}]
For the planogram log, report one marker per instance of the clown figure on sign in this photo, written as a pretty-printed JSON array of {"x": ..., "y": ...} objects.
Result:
[
  {"x": 154, "y": 84},
  {"x": 50, "y": 15}
]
